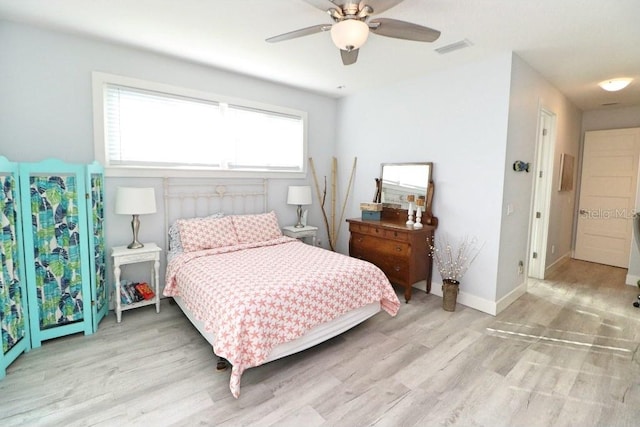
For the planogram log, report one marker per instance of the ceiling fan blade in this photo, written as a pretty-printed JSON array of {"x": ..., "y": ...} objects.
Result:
[
  {"x": 299, "y": 33},
  {"x": 349, "y": 56},
  {"x": 403, "y": 30}
]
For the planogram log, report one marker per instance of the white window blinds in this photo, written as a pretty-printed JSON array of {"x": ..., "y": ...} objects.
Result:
[{"x": 153, "y": 129}]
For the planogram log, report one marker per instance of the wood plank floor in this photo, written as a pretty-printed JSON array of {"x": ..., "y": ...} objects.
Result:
[{"x": 564, "y": 354}]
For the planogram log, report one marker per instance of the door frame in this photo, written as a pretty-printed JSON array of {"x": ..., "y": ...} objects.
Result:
[{"x": 541, "y": 197}]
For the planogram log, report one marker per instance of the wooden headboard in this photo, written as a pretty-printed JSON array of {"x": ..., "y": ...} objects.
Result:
[{"x": 197, "y": 197}]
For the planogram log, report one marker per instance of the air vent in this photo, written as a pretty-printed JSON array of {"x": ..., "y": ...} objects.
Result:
[{"x": 454, "y": 46}]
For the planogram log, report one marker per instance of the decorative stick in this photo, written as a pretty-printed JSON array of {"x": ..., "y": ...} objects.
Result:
[
  {"x": 334, "y": 167},
  {"x": 321, "y": 198},
  {"x": 344, "y": 204}
]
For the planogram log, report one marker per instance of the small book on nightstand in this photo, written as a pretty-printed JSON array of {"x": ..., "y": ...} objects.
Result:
[
  {"x": 144, "y": 290},
  {"x": 135, "y": 292},
  {"x": 125, "y": 295}
]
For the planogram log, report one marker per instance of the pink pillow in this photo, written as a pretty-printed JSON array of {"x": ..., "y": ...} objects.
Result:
[
  {"x": 256, "y": 228},
  {"x": 206, "y": 233}
]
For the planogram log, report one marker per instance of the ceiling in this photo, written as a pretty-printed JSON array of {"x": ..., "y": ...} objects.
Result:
[{"x": 574, "y": 44}]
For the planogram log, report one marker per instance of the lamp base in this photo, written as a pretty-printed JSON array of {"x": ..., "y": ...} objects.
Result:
[
  {"x": 299, "y": 224},
  {"x": 135, "y": 226}
]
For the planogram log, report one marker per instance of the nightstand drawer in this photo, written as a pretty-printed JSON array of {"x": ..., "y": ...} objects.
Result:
[
  {"x": 135, "y": 258},
  {"x": 301, "y": 232}
]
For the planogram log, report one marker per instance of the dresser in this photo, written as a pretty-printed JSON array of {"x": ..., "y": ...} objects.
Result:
[{"x": 400, "y": 251}]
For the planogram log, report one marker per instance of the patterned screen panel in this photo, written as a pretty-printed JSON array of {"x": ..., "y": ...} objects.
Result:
[
  {"x": 97, "y": 211},
  {"x": 11, "y": 314},
  {"x": 57, "y": 249}
]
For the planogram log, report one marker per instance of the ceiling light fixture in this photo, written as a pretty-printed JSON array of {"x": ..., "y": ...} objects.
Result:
[
  {"x": 349, "y": 34},
  {"x": 613, "y": 85}
]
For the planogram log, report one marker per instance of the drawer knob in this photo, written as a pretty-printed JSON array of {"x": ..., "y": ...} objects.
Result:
[
  {"x": 396, "y": 268},
  {"x": 398, "y": 248},
  {"x": 395, "y": 234}
]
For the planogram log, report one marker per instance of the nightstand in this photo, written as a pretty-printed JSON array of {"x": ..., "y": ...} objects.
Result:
[
  {"x": 301, "y": 233},
  {"x": 121, "y": 256}
]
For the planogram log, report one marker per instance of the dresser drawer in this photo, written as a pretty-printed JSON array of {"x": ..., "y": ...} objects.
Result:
[
  {"x": 395, "y": 268},
  {"x": 380, "y": 245},
  {"x": 375, "y": 230}
]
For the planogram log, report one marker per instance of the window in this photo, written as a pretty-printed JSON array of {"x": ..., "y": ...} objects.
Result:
[{"x": 149, "y": 129}]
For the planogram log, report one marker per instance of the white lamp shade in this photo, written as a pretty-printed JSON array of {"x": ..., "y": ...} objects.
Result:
[
  {"x": 299, "y": 195},
  {"x": 613, "y": 85},
  {"x": 349, "y": 34},
  {"x": 135, "y": 201}
]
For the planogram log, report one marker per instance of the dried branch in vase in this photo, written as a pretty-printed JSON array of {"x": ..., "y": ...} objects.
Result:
[{"x": 453, "y": 260}]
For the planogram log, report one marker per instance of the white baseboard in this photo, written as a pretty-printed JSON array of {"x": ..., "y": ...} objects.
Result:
[
  {"x": 506, "y": 300},
  {"x": 559, "y": 262},
  {"x": 632, "y": 280},
  {"x": 477, "y": 303}
]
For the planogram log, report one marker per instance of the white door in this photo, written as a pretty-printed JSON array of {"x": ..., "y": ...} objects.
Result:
[{"x": 607, "y": 196}]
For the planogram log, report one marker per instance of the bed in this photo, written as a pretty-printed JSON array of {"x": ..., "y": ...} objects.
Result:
[{"x": 254, "y": 294}]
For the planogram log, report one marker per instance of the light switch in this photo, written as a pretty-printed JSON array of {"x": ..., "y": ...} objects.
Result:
[{"x": 509, "y": 208}]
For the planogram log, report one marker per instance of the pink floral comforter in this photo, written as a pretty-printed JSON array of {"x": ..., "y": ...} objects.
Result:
[{"x": 256, "y": 296}]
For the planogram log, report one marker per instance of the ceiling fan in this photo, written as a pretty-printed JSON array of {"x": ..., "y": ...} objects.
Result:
[{"x": 351, "y": 26}]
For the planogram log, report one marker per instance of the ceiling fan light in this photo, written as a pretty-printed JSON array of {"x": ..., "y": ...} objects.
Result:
[
  {"x": 349, "y": 34},
  {"x": 613, "y": 85}
]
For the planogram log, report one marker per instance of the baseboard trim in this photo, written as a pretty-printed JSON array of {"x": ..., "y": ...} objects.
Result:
[
  {"x": 559, "y": 263},
  {"x": 470, "y": 300},
  {"x": 632, "y": 280},
  {"x": 508, "y": 299}
]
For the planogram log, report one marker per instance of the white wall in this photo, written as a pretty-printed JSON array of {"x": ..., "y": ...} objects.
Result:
[
  {"x": 529, "y": 92},
  {"x": 46, "y": 109},
  {"x": 458, "y": 120}
]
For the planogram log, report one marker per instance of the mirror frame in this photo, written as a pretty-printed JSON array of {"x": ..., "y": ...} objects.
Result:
[{"x": 427, "y": 183}]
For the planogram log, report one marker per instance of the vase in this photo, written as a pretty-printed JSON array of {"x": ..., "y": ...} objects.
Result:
[{"x": 449, "y": 294}]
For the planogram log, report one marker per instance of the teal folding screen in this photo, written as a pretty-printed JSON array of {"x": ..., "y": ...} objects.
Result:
[{"x": 13, "y": 296}]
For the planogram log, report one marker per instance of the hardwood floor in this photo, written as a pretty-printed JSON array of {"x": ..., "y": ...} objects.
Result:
[{"x": 564, "y": 354}]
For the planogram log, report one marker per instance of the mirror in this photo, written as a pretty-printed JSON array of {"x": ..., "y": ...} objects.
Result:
[{"x": 399, "y": 180}]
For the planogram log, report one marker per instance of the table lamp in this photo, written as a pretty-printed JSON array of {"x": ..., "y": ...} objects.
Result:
[
  {"x": 135, "y": 201},
  {"x": 299, "y": 195}
]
